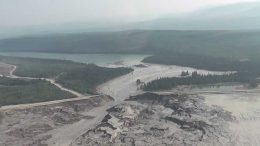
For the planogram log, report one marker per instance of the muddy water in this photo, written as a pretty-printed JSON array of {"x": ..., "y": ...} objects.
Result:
[
  {"x": 245, "y": 107},
  {"x": 125, "y": 86},
  {"x": 242, "y": 105}
]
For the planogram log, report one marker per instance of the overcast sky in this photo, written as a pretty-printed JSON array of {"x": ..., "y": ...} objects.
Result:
[{"x": 40, "y": 12}]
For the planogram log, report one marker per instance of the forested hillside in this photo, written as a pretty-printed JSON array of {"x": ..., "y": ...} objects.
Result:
[
  {"x": 197, "y": 79},
  {"x": 18, "y": 91},
  {"x": 204, "y": 62},
  {"x": 80, "y": 77},
  {"x": 244, "y": 71},
  {"x": 232, "y": 44}
]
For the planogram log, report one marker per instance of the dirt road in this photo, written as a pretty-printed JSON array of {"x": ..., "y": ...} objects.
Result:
[
  {"x": 52, "y": 81},
  {"x": 24, "y": 106},
  {"x": 119, "y": 88}
]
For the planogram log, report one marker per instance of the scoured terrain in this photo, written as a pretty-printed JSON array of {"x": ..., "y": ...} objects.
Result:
[
  {"x": 151, "y": 119},
  {"x": 144, "y": 119},
  {"x": 125, "y": 86},
  {"x": 54, "y": 122}
]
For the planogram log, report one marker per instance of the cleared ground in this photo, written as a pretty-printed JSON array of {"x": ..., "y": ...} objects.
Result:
[
  {"x": 5, "y": 69},
  {"x": 157, "y": 120},
  {"x": 58, "y": 122}
]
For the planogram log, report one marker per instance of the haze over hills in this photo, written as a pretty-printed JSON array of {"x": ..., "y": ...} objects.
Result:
[
  {"x": 129, "y": 72},
  {"x": 73, "y": 27},
  {"x": 245, "y": 16},
  {"x": 228, "y": 17},
  {"x": 155, "y": 36}
]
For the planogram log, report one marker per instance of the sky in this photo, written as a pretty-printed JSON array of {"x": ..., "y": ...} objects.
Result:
[{"x": 16, "y": 13}]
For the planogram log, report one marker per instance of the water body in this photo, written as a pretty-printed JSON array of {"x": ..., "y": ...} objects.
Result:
[
  {"x": 245, "y": 106},
  {"x": 98, "y": 59}
]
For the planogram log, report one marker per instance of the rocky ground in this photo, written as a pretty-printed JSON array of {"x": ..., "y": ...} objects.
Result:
[
  {"x": 36, "y": 125},
  {"x": 152, "y": 119}
]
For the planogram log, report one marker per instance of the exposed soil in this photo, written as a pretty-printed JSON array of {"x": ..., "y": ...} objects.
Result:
[
  {"x": 37, "y": 125},
  {"x": 146, "y": 119},
  {"x": 5, "y": 69},
  {"x": 151, "y": 119}
]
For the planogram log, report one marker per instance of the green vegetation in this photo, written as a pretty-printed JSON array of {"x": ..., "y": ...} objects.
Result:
[
  {"x": 203, "y": 62},
  {"x": 76, "y": 76},
  {"x": 247, "y": 70},
  {"x": 184, "y": 74},
  {"x": 230, "y": 44},
  {"x": 85, "y": 79},
  {"x": 17, "y": 91},
  {"x": 41, "y": 68},
  {"x": 211, "y": 50},
  {"x": 80, "y": 77},
  {"x": 194, "y": 79}
]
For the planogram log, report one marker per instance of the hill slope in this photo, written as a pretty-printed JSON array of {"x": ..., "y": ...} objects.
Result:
[
  {"x": 243, "y": 16},
  {"x": 240, "y": 44}
]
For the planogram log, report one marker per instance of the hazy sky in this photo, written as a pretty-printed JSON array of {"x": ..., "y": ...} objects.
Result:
[{"x": 38, "y": 12}]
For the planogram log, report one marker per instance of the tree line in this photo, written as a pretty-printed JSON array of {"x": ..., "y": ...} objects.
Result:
[{"x": 195, "y": 79}]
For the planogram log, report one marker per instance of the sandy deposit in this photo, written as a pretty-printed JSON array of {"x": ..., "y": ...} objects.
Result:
[
  {"x": 125, "y": 86},
  {"x": 246, "y": 109},
  {"x": 52, "y": 124},
  {"x": 156, "y": 120},
  {"x": 66, "y": 134}
]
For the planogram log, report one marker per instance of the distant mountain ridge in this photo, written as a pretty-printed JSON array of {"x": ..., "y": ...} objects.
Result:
[
  {"x": 240, "y": 44},
  {"x": 242, "y": 16},
  {"x": 231, "y": 10}
]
